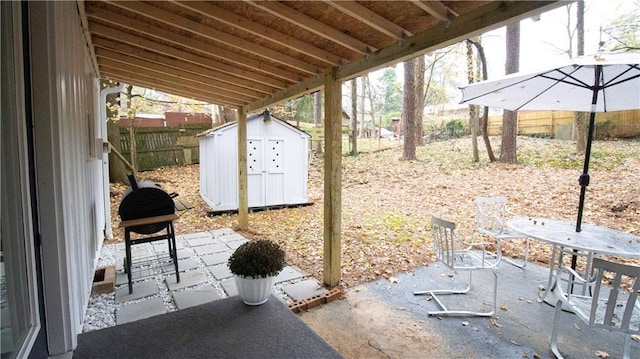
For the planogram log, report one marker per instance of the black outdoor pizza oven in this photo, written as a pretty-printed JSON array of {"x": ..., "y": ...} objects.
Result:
[{"x": 146, "y": 199}]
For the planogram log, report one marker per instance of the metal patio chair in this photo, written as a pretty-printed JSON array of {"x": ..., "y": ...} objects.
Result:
[
  {"x": 492, "y": 216},
  {"x": 617, "y": 310},
  {"x": 460, "y": 256}
]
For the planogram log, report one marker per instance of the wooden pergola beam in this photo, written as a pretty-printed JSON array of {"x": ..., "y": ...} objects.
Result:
[
  {"x": 370, "y": 18},
  {"x": 332, "y": 179},
  {"x": 243, "y": 191}
]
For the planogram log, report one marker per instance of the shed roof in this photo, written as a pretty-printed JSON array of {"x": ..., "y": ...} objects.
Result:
[
  {"x": 253, "y": 118},
  {"x": 252, "y": 54}
]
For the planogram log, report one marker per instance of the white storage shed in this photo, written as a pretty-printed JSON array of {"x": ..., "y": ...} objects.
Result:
[{"x": 277, "y": 164}]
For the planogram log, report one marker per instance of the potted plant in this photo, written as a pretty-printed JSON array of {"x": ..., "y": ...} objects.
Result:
[{"x": 255, "y": 265}]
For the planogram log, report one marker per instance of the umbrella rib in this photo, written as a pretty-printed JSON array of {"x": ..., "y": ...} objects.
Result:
[{"x": 612, "y": 83}]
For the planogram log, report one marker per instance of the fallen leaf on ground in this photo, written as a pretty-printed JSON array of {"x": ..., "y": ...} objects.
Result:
[{"x": 601, "y": 354}]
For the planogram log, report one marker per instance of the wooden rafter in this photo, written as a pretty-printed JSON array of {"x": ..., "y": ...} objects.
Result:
[
  {"x": 436, "y": 9},
  {"x": 211, "y": 33},
  {"x": 179, "y": 76},
  {"x": 214, "y": 12},
  {"x": 245, "y": 67},
  {"x": 310, "y": 24},
  {"x": 124, "y": 52},
  {"x": 370, "y": 18}
]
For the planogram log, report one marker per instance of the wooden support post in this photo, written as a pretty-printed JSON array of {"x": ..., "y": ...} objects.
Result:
[
  {"x": 332, "y": 179},
  {"x": 243, "y": 198}
]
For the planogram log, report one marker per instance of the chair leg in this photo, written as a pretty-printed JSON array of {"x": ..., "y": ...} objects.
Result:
[
  {"x": 446, "y": 311},
  {"x": 127, "y": 264},
  {"x": 554, "y": 330},
  {"x": 174, "y": 253},
  {"x": 524, "y": 261},
  {"x": 627, "y": 346}
]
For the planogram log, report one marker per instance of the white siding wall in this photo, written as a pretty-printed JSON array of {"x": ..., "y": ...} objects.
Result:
[{"x": 68, "y": 168}]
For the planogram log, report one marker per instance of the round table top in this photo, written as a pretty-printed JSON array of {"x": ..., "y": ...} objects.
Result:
[{"x": 595, "y": 239}]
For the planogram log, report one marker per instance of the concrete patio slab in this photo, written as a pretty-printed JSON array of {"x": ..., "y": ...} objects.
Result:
[
  {"x": 140, "y": 290},
  {"x": 220, "y": 271},
  {"x": 184, "y": 265},
  {"x": 211, "y": 248},
  {"x": 304, "y": 289},
  {"x": 196, "y": 296},
  {"x": 140, "y": 310},
  {"x": 216, "y": 258},
  {"x": 288, "y": 273},
  {"x": 229, "y": 286},
  {"x": 187, "y": 279},
  {"x": 200, "y": 241},
  {"x": 231, "y": 237}
]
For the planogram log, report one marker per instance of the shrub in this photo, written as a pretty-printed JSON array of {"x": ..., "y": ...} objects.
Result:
[{"x": 257, "y": 259}]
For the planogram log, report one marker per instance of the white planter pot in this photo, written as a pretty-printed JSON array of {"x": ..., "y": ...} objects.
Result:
[{"x": 254, "y": 291}]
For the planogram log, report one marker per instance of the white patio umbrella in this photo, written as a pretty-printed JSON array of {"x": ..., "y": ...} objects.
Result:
[{"x": 596, "y": 83}]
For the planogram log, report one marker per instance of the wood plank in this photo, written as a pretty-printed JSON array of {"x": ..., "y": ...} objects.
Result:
[
  {"x": 370, "y": 18},
  {"x": 143, "y": 67},
  {"x": 262, "y": 73},
  {"x": 317, "y": 27},
  {"x": 183, "y": 78},
  {"x": 148, "y": 220},
  {"x": 227, "y": 17},
  {"x": 243, "y": 192},
  {"x": 167, "y": 86},
  {"x": 332, "y": 180},
  {"x": 209, "y": 32}
]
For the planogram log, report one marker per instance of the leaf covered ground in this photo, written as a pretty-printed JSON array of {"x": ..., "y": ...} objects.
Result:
[{"x": 387, "y": 202}]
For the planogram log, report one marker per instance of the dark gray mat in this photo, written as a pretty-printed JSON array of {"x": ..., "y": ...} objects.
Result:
[{"x": 225, "y": 328}]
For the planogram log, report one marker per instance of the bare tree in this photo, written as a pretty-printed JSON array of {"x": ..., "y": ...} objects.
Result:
[
  {"x": 473, "y": 109},
  {"x": 420, "y": 70},
  {"x": 227, "y": 114},
  {"x": 408, "y": 111},
  {"x": 580, "y": 119},
  {"x": 510, "y": 118},
  {"x": 485, "y": 113},
  {"x": 317, "y": 116},
  {"x": 354, "y": 116}
]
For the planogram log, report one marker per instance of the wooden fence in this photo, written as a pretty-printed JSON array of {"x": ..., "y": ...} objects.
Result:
[
  {"x": 163, "y": 146},
  {"x": 559, "y": 124}
]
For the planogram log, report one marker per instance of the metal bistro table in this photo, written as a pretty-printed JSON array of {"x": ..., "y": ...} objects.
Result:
[{"x": 589, "y": 242}]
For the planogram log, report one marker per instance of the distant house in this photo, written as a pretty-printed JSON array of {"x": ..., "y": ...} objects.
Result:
[{"x": 169, "y": 119}]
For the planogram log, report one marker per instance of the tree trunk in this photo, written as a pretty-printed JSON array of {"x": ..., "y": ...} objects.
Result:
[
  {"x": 510, "y": 118},
  {"x": 473, "y": 109},
  {"x": 485, "y": 113},
  {"x": 408, "y": 111},
  {"x": 117, "y": 169},
  {"x": 131, "y": 117},
  {"x": 227, "y": 114},
  {"x": 420, "y": 70},
  {"x": 354, "y": 117},
  {"x": 317, "y": 117},
  {"x": 362, "y": 119},
  {"x": 580, "y": 119}
]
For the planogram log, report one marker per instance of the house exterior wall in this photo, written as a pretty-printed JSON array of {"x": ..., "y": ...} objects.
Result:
[
  {"x": 68, "y": 167},
  {"x": 277, "y": 165}
]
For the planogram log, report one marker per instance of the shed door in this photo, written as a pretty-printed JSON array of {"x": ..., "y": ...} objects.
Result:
[
  {"x": 275, "y": 172},
  {"x": 265, "y": 172},
  {"x": 255, "y": 172}
]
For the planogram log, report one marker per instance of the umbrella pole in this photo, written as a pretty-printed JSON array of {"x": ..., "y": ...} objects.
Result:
[{"x": 584, "y": 177}]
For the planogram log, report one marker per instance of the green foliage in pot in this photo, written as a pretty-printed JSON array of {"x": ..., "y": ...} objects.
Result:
[{"x": 257, "y": 259}]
